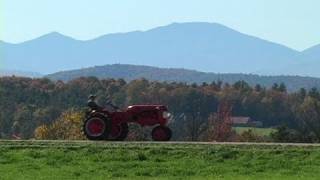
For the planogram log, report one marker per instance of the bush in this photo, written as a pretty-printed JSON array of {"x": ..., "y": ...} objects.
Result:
[
  {"x": 250, "y": 136},
  {"x": 68, "y": 126},
  {"x": 285, "y": 134}
]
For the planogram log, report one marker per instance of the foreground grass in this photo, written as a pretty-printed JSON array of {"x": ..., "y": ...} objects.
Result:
[{"x": 84, "y": 160}]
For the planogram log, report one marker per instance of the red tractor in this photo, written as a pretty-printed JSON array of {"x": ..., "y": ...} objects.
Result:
[{"x": 102, "y": 124}]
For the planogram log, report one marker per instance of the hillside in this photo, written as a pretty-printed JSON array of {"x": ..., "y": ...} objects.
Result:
[
  {"x": 130, "y": 72},
  {"x": 306, "y": 63},
  {"x": 313, "y": 52},
  {"x": 207, "y": 47},
  {"x": 35, "y": 102}
]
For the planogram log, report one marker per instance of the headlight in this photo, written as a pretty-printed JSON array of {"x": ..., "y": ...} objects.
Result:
[{"x": 166, "y": 115}]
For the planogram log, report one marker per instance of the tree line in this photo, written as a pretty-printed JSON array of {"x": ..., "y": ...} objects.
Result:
[{"x": 27, "y": 104}]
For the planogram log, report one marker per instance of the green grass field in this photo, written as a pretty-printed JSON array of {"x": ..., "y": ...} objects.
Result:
[
  {"x": 88, "y": 160},
  {"x": 258, "y": 131}
]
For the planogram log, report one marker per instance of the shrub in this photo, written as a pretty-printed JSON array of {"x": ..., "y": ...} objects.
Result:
[{"x": 68, "y": 126}]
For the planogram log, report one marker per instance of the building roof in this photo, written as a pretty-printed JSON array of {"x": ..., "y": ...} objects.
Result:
[{"x": 240, "y": 120}]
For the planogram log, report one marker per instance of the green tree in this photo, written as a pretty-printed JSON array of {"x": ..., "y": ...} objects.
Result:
[{"x": 308, "y": 117}]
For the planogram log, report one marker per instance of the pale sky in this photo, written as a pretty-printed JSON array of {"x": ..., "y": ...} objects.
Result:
[{"x": 294, "y": 23}]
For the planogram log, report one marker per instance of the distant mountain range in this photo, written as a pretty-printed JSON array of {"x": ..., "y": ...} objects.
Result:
[
  {"x": 207, "y": 47},
  {"x": 131, "y": 72}
]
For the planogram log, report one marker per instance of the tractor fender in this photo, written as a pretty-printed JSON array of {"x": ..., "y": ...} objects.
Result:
[{"x": 96, "y": 113}]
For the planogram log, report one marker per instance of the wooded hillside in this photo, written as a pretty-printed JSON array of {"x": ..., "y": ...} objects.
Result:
[
  {"x": 131, "y": 72},
  {"x": 28, "y": 103}
]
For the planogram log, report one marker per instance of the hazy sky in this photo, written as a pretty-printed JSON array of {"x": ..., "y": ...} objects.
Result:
[{"x": 295, "y": 23}]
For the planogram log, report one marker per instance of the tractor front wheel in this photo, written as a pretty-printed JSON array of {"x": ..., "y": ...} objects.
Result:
[{"x": 161, "y": 133}]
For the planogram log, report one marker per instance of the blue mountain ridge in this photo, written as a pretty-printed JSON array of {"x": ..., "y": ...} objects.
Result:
[{"x": 207, "y": 47}]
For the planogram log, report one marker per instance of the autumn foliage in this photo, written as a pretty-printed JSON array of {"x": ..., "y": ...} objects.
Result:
[
  {"x": 67, "y": 126},
  {"x": 40, "y": 108}
]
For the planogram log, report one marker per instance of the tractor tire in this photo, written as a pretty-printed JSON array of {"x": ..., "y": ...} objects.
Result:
[
  {"x": 119, "y": 132},
  {"x": 161, "y": 133},
  {"x": 97, "y": 127}
]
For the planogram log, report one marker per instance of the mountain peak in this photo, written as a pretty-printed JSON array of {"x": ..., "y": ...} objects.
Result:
[
  {"x": 194, "y": 26},
  {"x": 52, "y": 36},
  {"x": 56, "y": 35}
]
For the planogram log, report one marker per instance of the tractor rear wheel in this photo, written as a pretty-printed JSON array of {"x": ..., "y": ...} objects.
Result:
[
  {"x": 97, "y": 127},
  {"x": 161, "y": 133},
  {"x": 119, "y": 132}
]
